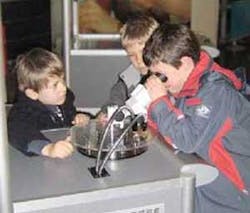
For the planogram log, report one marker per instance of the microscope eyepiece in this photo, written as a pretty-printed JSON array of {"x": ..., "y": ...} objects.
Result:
[{"x": 161, "y": 76}]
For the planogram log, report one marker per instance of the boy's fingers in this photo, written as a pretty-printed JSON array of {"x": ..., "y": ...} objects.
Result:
[
  {"x": 68, "y": 138},
  {"x": 63, "y": 153},
  {"x": 66, "y": 146},
  {"x": 81, "y": 119}
]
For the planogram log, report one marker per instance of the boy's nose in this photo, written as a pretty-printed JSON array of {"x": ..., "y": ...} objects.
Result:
[
  {"x": 62, "y": 86},
  {"x": 139, "y": 61}
]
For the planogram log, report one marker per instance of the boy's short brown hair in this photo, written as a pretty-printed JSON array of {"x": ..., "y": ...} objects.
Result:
[
  {"x": 169, "y": 43},
  {"x": 138, "y": 27},
  {"x": 35, "y": 67}
]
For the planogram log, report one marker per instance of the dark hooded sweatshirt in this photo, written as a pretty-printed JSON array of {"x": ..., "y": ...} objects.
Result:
[{"x": 27, "y": 118}]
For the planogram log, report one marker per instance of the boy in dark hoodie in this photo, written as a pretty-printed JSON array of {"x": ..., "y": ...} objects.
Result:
[{"x": 43, "y": 103}]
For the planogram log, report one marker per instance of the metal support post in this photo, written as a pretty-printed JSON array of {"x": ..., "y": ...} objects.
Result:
[
  {"x": 5, "y": 198},
  {"x": 67, "y": 37}
]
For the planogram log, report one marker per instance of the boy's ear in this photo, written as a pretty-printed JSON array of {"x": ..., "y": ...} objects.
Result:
[
  {"x": 187, "y": 62},
  {"x": 32, "y": 94}
]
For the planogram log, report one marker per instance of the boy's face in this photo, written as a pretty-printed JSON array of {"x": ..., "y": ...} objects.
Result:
[
  {"x": 176, "y": 77},
  {"x": 54, "y": 93},
  {"x": 134, "y": 50}
]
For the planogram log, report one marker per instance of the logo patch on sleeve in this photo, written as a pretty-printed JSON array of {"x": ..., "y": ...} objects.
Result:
[{"x": 202, "y": 111}]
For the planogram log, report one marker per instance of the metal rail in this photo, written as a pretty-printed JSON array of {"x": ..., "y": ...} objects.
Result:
[
  {"x": 5, "y": 198},
  {"x": 67, "y": 37}
]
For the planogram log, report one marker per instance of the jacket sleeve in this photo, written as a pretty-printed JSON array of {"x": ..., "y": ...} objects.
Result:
[
  {"x": 69, "y": 107},
  {"x": 127, "y": 81},
  {"x": 118, "y": 95},
  {"x": 190, "y": 127},
  {"x": 22, "y": 130}
]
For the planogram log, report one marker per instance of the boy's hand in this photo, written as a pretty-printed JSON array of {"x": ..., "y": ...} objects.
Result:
[
  {"x": 155, "y": 87},
  {"x": 60, "y": 149},
  {"x": 102, "y": 118},
  {"x": 81, "y": 120}
]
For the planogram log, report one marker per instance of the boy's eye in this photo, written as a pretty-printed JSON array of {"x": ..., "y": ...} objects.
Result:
[{"x": 55, "y": 84}]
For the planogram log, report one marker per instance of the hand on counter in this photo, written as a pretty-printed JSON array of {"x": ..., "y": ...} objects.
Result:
[
  {"x": 81, "y": 119},
  {"x": 102, "y": 119},
  {"x": 60, "y": 149}
]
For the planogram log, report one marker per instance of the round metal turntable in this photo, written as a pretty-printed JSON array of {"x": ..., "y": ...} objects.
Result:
[{"x": 87, "y": 141}]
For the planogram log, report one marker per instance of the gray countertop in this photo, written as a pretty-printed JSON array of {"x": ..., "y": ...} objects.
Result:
[{"x": 40, "y": 177}]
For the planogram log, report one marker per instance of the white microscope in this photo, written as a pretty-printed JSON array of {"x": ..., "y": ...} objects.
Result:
[{"x": 123, "y": 119}]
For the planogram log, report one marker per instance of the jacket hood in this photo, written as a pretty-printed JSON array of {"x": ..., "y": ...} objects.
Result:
[
  {"x": 22, "y": 99},
  {"x": 192, "y": 85}
]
